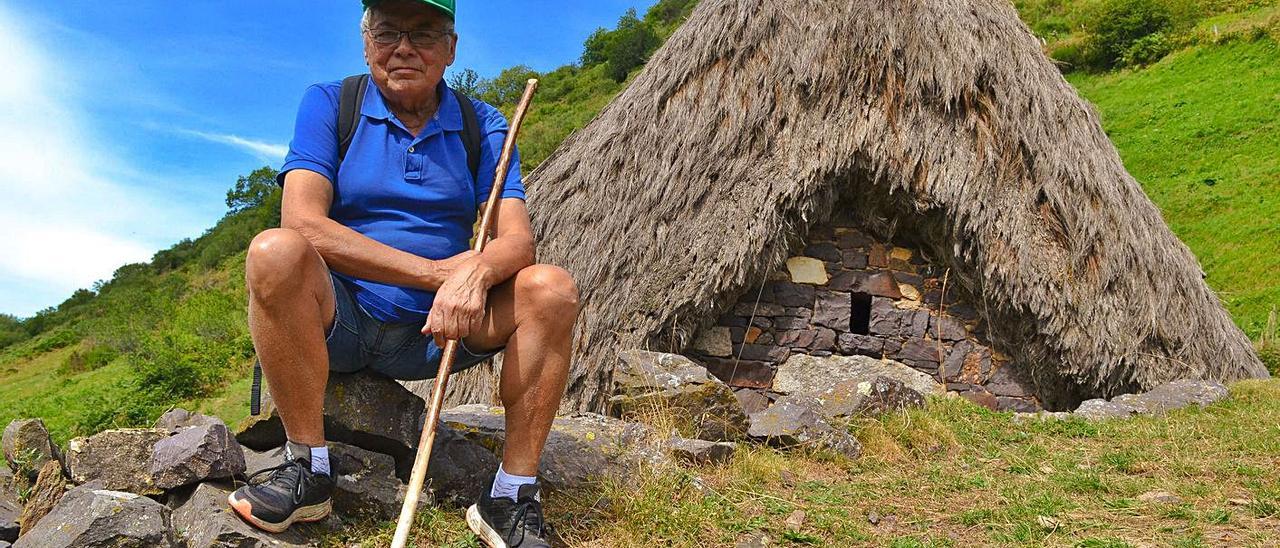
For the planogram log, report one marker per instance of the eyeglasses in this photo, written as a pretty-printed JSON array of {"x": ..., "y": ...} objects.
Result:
[{"x": 419, "y": 38}]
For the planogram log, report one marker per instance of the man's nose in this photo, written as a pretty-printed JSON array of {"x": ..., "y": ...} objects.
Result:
[{"x": 404, "y": 47}]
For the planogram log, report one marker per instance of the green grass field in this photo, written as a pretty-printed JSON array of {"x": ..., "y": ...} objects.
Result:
[{"x": 1201, "y": 131}]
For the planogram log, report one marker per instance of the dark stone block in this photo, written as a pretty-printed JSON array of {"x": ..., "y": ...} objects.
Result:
[
  {"x": 854, "y": 259},
  {"x": 962, "y": 387},
  {"x": 915, "y": 326},
  {"x": 741, "y": 373},
  {"x": 885, "y": 318},
  {"x": 800, "y": 338},
  {"x": 737, "y": 334},
  {"x": 786, "y": 322},
  {"x": 947, "y": 328},
  {"x": 761, "y": 322},
  {"x": 923, "y": 351},
  {"x": 879, "y": 284},
  {"x": 752, "y": 401},
  {"x": 845, "y": 281},
  {"x": 962, "y": 311},
  {"x": 763, "y": 352},
  {"x": 801, "y": 312},
  {"x": 825, "y": 341},
  {"x": 862, "y": 345},
  {"x": 820, "y": 353},
  {"x": 877, "y": 256},
  {"x": 789, "y": 294},
  {"x": 730, "y": 320},
  {"x": 763, "y": 338},
  {"x": 956, "y": 359},
  {"x": 852, "y": 239},
  {"x": 892, "y": 346},
  {"x": 1006, "y": 380},
  {"x": 927, "y": 367},
  {"x": 832, "y": 310},
  {"x": 823, "y": 250}
]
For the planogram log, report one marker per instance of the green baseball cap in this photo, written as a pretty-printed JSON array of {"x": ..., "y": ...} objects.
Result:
[{"x": 447, "y": 6}]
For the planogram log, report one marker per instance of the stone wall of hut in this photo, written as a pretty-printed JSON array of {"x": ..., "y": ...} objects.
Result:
[{"x": 847, "y": 293}]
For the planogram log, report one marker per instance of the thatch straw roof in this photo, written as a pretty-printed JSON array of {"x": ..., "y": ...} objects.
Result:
[{"x": 944, "y": 122}]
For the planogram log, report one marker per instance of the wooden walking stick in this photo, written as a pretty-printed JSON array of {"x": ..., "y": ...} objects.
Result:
[{"x": 428, "y": 438}]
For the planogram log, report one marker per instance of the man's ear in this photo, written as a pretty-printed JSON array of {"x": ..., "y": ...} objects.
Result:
[{"x": 453, "y": 50}]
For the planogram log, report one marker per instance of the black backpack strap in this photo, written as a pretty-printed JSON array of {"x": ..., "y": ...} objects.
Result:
[
  {"x": 349, "y": 102},
  {"x": 470, "y": 134}
]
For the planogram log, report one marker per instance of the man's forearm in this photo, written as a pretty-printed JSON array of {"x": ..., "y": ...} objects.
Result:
[
  {"x": 503, "y": 257},
  {"x": 352, "y": 253}
]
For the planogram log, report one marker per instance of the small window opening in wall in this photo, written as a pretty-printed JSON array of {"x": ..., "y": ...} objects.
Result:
[{"x": 860, "y": 314}]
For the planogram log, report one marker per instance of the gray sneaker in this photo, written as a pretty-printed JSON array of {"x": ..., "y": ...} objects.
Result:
[{"x": 501, "y": 523}]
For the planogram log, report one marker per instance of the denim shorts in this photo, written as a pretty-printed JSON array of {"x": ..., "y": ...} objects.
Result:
[{"x": 357, "y": 341}]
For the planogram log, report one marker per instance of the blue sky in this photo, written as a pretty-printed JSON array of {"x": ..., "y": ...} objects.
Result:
[{"x": 122, "y": 124}]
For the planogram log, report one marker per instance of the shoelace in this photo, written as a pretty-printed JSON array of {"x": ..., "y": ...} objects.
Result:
[
  {"x": 530, "y": 508},
  {"x": 294, "y": 466}
]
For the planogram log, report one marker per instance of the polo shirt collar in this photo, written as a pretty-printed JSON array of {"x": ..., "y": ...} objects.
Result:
[{"x": 448, "y": 115}]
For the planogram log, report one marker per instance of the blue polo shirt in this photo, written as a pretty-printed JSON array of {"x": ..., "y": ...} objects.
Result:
[{"x": 413, "y": 193}]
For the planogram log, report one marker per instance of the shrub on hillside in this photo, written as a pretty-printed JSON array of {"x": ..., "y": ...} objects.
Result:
[
  {"x": 1119, "y": 24},
  {"x": 1147, "y": 50},
  {"x": 93, "y": 356}
]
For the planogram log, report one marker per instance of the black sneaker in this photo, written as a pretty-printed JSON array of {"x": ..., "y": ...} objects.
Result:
[
  {"x": 291, "y": 493},
  {"x": 501, "y": 523}
]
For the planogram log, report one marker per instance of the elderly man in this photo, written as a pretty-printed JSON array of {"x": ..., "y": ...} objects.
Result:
[{"x": 371, "y": 269}]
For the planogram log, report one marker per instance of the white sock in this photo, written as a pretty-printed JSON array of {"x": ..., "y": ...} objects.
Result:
[
  {"x": 507, "y": 485},
  {"x": 320, "y": 460}
]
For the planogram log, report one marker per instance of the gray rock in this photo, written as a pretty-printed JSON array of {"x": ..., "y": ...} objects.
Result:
[
  {"x": 1099, "y": 408},
  {"x": 702, "y": 451},
  {"x": 751, "y": 400},
  {"x": 803, "y": 374},
  {"x": 195, "y": 454},
  {"x": 653, "y": 382},
  {"x": 366, "y": 483},
  {"x": 91, "y": 517},
  {"x": 45, "y": 494},
  {"x": 793, "y": 422},
  {"x": 750, "y": 309},
  {"x": 580, "y": 448},
  {"x": 204, "y": 520},
  {"x": 120, "y": 458},
  {"x": 754, "y": 540},
  {"x": 178, "y": 418},
  {"x": 365, "y": 410},
  {"x": 27, "y": 446},
  {"x": 713, "y": 341},
  {"x": 864, "y": 397},
  {"x": 1175, "y": 395},
  {"x": 10, "y": 511}
]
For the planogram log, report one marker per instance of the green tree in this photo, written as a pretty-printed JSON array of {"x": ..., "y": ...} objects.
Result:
[
  {"x": 1119, "y": 24},
  {"x": 630, "y": 45},
  {"x": 252, "y": 190},
  {"x": 506, "y": 89},
  {"x": 467, "y": 81},
  {"x": 595, "y": 49}
]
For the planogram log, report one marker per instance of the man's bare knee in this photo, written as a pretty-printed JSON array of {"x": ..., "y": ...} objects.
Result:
[
  {"x": 550, "y": 290},
  {"x": 277, "y": 258}
]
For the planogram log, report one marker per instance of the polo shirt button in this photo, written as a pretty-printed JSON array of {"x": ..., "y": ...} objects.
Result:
[{"x": 410, "y": 149}]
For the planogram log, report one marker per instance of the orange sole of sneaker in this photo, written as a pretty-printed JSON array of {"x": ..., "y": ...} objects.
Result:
[{"x": 315, "y": 512}]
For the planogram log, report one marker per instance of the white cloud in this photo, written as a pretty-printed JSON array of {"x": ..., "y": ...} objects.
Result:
[
  {"x": 267, "y": 152},
  {"x": 67, "y": 216}
]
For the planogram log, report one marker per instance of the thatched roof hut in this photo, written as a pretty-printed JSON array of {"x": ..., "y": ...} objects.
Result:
[{"x": 942, "y": 121}]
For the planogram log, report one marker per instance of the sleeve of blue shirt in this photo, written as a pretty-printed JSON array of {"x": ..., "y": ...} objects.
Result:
[
  {"x": 493, "y": 131},
  {"x": 315, "y": 141}
]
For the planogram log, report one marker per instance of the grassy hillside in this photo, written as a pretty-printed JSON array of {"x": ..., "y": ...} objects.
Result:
[{"x": 1201, "y": 131}]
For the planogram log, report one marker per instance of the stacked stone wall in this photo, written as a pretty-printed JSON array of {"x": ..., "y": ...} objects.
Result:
[{"x": 847, "y": 293}]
